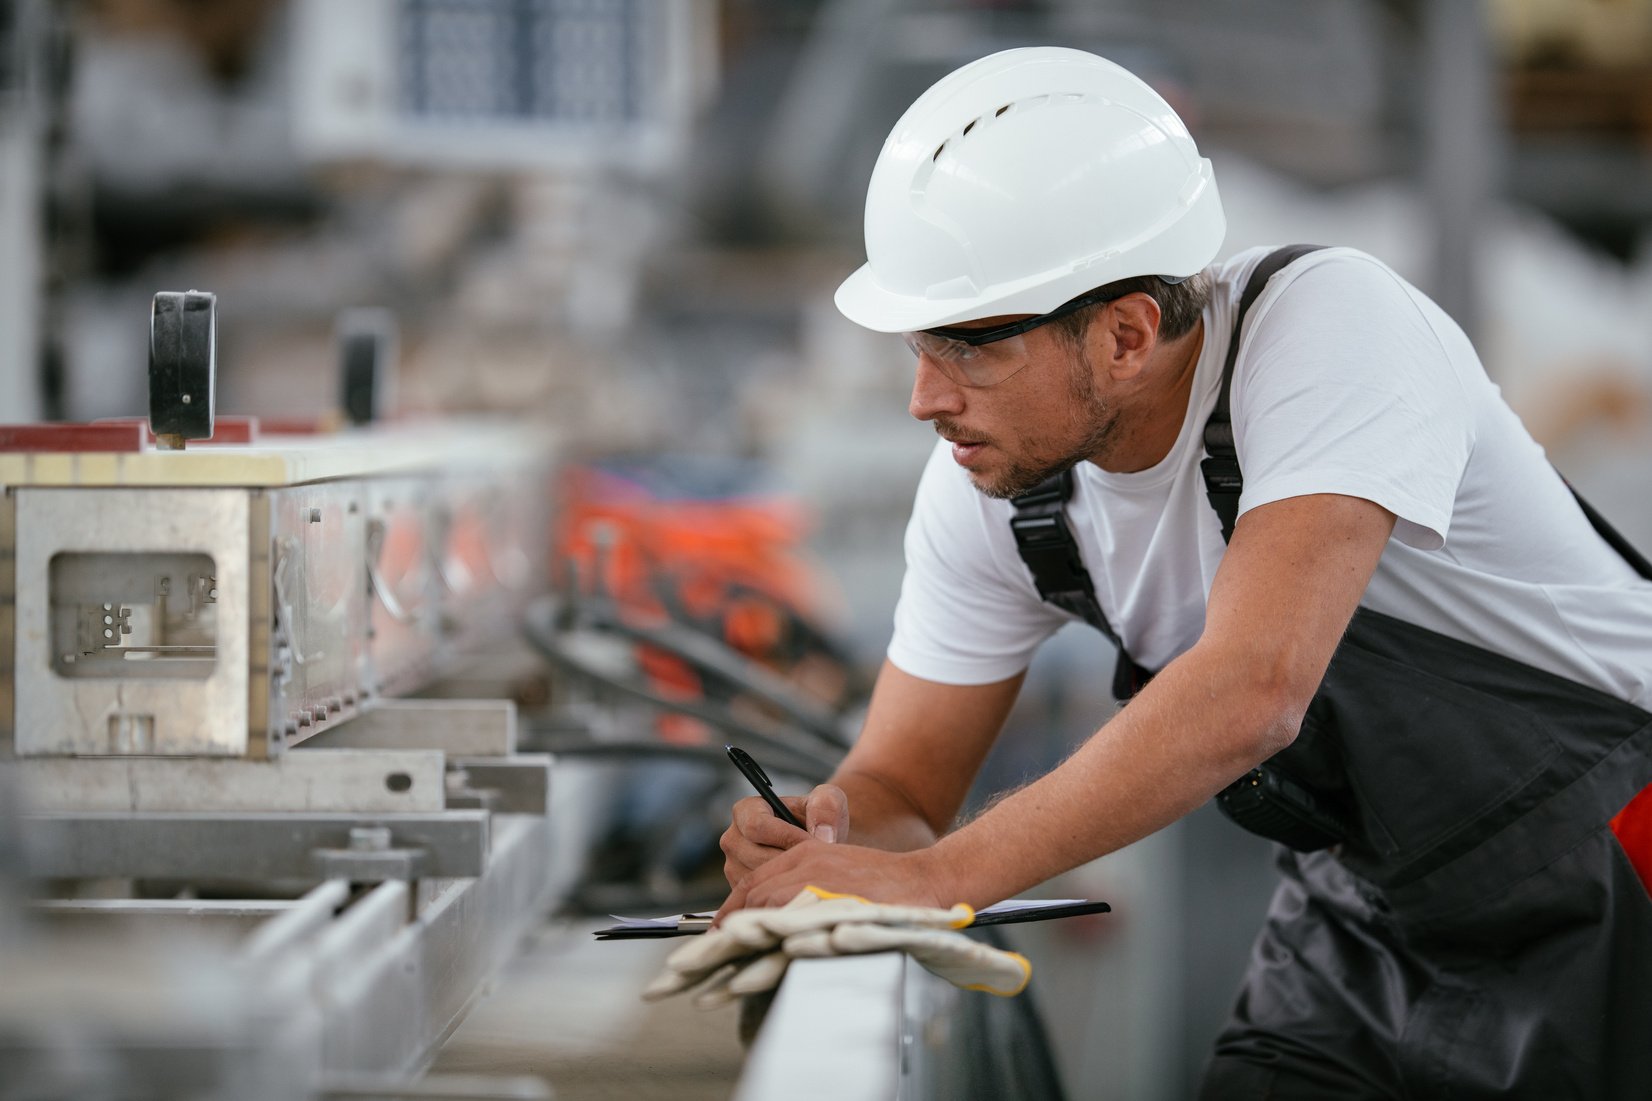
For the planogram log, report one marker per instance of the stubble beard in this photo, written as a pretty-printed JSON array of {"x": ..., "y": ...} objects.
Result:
[{"x": 1094, "y": 421}]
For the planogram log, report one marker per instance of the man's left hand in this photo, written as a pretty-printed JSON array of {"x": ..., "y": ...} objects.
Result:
[{"x": 873, "y": 874}]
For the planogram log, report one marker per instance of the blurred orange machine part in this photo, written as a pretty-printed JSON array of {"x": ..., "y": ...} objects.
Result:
[{"x": 732, "y": 566}]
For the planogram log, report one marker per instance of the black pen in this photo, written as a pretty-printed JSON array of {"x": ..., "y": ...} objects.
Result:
[{"x": 760, "y": 780}]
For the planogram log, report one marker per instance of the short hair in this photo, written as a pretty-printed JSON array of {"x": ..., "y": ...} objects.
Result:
[{"x": 1180, "y": 304}]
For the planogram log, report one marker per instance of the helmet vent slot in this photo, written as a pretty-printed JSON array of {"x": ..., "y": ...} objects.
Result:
[{"x": 971, "y": 212}]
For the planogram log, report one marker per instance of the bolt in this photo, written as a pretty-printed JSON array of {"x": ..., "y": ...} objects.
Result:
[{"x": 369, "y": 839}]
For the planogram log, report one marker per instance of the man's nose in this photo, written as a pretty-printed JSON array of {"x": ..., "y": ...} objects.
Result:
[{"x": 933, "y": 393}]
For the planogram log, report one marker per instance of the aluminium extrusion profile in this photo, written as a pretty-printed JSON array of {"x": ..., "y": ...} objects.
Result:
[
  {"x": 336, "y": 989},
  {"x": 237, "y": 847},
  {"x": 307, "y": 779}
]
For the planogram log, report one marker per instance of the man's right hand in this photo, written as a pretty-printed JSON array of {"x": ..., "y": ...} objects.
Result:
[{"x": 757, "y": 836}]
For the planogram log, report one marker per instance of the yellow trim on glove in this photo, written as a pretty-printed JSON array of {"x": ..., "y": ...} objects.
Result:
[
  {"x": 823, "y": 894},
  {"x": 969, "y": 919},
  {"x": 1026, "y": 977}
]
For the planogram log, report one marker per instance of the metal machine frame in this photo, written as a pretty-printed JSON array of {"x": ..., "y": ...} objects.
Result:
[{"x": 226, "y": 814}]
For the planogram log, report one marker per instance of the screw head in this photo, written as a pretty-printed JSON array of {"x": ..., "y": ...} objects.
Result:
[{"x": 369, "y": 839}]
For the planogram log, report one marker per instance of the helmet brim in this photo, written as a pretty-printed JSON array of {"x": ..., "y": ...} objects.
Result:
[{"x": 863, "y": 301}]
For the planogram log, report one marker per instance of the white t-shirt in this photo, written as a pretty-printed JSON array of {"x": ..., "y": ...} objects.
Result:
[{"x": 1349, "y": 380}]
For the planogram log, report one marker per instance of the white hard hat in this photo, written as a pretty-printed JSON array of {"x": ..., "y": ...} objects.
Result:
[{"x": 1019, "y": 182}]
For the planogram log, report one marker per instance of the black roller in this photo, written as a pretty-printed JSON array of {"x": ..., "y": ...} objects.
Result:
[
  {"x": 367, "y": 363},
  {"x": 183, "y": 365}
]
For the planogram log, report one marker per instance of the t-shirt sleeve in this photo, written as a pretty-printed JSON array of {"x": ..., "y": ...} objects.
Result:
[
  {"x": 1345, "y": 386},
  {"x": 968, "y": 612}
]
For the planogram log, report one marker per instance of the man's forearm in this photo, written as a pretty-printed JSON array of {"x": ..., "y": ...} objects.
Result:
[
  {"x": 923, "y": 743},
  {"x": 1166, "y": 753},
  {"x": 1291, "y": 578}
]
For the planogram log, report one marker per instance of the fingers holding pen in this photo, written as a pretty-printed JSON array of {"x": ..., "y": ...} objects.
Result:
[
  {"x": 771, "y": 824},
  {"x": 756, "y": 836},
  {"x": 826, "y": 814},
  {"x": 758, "y": 824}
]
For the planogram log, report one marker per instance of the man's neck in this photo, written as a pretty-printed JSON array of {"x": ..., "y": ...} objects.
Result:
[{"x": 1150, "y": 429}]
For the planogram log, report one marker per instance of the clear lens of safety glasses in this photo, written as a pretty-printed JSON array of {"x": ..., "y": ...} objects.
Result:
[{"x": 970, "y": 364}]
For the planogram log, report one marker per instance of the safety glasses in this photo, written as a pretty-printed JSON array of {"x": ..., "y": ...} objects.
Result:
[
  {"x": 986, "y": 357},
  {"x": 974, "y": 365}
]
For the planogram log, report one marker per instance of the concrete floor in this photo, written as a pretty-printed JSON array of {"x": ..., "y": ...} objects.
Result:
[{"x": 568, "y": 1009}]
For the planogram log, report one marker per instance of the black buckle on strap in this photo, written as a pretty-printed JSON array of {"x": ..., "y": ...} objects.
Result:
[
  {"x": 1054, "y": 490},
  {"x": 1048, "y": 548},
  {"x": 1047, "y": 545},
  {"x": 1041, "y": 529},
  {"x": 1222, "y": 475}
]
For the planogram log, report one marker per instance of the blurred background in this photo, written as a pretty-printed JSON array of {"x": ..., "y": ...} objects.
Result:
[{"x": 626, "y": 218}]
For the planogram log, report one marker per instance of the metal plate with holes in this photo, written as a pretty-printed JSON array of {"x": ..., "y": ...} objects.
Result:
[
  {"x": 187, "y": 622},
  {"x": 149, "y": 588}
]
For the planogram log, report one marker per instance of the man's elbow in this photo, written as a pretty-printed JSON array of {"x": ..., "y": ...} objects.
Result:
[
  {"x": 1277, "y": 730},
  {"x": 1271, "y": 702}
]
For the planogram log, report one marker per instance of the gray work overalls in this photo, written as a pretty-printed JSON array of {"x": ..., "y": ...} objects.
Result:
[{"x": 1477, "y": 931}]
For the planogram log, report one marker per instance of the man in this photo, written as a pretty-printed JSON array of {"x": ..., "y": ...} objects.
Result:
[{"x": 1456, "y": 916}]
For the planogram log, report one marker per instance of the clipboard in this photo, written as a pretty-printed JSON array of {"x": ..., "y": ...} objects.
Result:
[{"x": 1010, "y": 912}]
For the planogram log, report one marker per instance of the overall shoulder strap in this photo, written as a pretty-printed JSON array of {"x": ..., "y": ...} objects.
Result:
[
  {"x": 1614, "y": 538},
  {"x": 1046, "y": 544},
  {"x": 1223, "y": 479}
]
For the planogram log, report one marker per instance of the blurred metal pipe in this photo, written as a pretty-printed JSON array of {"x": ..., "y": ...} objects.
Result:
[
  {"x": 1461, "y": 132},
  {"x": 21, "y": 246}
]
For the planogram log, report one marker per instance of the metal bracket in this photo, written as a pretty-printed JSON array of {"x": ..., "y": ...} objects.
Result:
[
  {"x": 520, "y": 784},
  {"x": 370, "y": 858}
]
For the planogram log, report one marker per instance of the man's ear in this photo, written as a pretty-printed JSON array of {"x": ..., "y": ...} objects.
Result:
[{"x": 1127, "y": 334}]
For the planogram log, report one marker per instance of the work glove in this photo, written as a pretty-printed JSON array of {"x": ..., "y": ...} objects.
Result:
[
  {"x": 750, "y": 951},
  {"x": 951, "y": 955}
]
